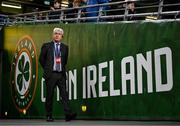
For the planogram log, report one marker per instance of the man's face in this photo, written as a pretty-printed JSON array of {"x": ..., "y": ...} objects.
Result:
[{"x": 57, "y": 37}]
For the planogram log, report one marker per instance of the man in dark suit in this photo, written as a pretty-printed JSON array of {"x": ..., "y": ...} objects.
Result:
[{"x": 53, "y": 58}]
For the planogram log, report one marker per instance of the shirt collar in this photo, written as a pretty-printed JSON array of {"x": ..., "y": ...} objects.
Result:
[{"x": 56, "y": 42}]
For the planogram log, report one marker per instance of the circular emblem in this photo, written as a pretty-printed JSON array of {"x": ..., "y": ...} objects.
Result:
[{"x": 24, "y": 71}]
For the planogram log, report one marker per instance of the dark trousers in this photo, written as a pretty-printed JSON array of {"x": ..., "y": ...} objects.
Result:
[{"x": 56, "y": 79}]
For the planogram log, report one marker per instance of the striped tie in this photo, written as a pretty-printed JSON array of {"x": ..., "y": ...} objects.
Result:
[{"x": 58, "y": 58}]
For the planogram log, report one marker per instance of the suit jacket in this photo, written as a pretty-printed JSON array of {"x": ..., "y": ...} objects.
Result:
[{"x": 46, "y": 58}]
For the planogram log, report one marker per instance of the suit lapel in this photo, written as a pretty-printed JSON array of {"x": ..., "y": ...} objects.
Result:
[
  {"x": 52, "y": 49},
  {"x": 62, "y": 49}
]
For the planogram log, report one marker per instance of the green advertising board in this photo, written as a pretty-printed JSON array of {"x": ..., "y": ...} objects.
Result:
[{"x": 120, "y": 71}]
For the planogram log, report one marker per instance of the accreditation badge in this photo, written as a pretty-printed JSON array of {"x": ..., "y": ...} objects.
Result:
[{"x": 58, "y": 60}]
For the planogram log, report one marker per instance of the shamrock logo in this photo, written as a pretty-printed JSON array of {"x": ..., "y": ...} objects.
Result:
[{"x": 23, "y": 74}]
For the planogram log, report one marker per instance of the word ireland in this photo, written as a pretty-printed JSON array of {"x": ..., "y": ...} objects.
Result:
[{"x": 148, "y": 72}]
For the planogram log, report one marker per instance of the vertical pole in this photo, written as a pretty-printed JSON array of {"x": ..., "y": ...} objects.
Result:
[
  {"x": 25, "y": 19},
  {"x": 100, "y": 13},
  {"x": 7, "y": 21},
  {"x": 47, "y": 17},
  {"x": 78, "y": 16},
  {"x": 126, "y": 11},
  {"x": 62, "y": 16},
  {"x": 160, "y": 8}
]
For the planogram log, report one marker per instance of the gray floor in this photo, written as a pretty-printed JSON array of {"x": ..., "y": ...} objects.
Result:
[{"x": 41, "y": 122}]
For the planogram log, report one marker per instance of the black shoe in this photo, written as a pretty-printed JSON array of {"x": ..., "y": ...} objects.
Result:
[
  {"x": 49, "y": 119},
  {"x": 71, "y": 116}
]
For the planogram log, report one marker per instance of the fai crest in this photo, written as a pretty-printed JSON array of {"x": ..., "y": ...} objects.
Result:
[{"x": 24, "y": 71}]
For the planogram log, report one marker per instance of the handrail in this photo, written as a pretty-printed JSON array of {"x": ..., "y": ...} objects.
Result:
[{"x": 74, "y": 15}]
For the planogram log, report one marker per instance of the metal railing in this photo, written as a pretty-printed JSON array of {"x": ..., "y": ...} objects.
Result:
[
  {"x": 115, "y": 11},
  {"x": 3, "y": 19}
]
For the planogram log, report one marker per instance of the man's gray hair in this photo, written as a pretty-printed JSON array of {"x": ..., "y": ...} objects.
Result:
[{"x": 58, "y": 30}]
